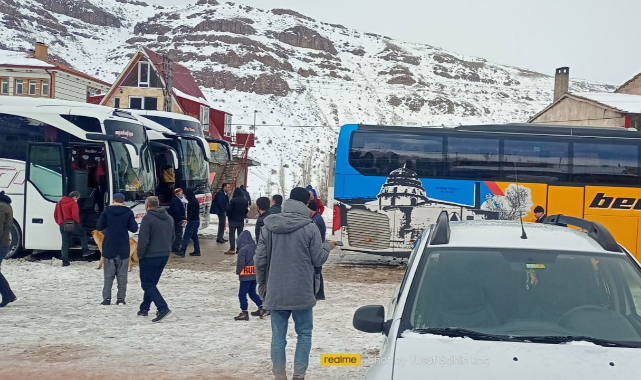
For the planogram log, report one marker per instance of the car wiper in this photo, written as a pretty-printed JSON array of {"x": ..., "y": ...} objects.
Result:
[
  {"x": 578, "y": 338},
  {"x": 463, "y": 333}
]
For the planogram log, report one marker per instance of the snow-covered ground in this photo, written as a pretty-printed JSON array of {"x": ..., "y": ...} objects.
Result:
[{"x": 58, "y": 330}]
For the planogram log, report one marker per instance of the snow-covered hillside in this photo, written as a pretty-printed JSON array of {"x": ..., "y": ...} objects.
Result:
[{"x": 293, "y": 70}]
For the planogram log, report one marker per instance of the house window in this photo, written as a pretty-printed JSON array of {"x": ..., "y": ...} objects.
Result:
[
  {"x": 227, "y": 125},
  {"x": 135, "y": 102},
  {"x": 45, "y": 87},
  {"x": 116, "y": 102},
  {"x": 151, "y": 103},
  {"x": 32, "y": 87},
  {"x": 143, "y": 74},
  {"x": 19, "y": 87},
  {"x": 143, "y": 103},
  {"x": 4, "y": 86},
  {"x": 204, "y": 117}
]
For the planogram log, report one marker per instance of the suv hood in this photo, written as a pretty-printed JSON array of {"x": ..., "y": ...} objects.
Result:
[{"x": 420, "y": 356}]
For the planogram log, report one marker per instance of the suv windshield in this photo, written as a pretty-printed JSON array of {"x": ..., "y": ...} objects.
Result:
[{"x": 544, "y": 295}]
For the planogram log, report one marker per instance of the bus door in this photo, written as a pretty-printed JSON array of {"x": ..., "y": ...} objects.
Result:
[
  {"x": 88, "y": 175},
  {"x": 44, "y": 187}
]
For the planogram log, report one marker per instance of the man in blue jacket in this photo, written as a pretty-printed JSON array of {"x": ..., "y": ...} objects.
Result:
[
  {"x": 177, "y": 212},
  {"x": 116, "y": 221},
  {"x": 219, "y": 207}
]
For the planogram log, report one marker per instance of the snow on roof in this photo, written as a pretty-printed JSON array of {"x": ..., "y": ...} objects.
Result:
[
  {"x": 16, "y": 58},
  {"x": 622, "y": 102},
  {"x": 502, "y": 234},
  {"x": 181, "y": 94}
]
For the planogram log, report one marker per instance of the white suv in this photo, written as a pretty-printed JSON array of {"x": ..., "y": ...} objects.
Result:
[{"x": 498, "y": 300}]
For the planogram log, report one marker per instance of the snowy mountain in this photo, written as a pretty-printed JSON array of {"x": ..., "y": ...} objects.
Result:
[{"x": 293, "y": 70}]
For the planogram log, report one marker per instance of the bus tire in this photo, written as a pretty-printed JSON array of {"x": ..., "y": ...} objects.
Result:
[{"x": 15, "y": 246}]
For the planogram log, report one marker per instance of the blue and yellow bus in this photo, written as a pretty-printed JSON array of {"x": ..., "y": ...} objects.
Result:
[{"x": 392, "y": 182}]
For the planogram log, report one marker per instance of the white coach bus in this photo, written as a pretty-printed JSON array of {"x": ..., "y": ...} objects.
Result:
[
  {"x": 178, "y": 140},
  {"x": 49, "y": 148}
]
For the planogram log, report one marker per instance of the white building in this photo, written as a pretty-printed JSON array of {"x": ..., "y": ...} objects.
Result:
[{"x": 33, "y": 75}]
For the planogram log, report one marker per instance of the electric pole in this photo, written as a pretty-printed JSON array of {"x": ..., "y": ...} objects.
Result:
[{"x": 167, "y": 89}]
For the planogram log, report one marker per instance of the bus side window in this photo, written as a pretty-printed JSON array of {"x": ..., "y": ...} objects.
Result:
[{"x": 606, "y": 163}]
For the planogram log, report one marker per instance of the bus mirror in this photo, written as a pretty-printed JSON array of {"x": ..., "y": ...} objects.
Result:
[
  {"x": 133, "y": 156},
  {"x": 204, "y": 145}
]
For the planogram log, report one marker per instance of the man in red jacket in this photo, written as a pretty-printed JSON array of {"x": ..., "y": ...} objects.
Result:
[{"x": 67, "y": 209}]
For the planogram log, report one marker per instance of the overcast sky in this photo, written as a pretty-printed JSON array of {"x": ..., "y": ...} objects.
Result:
[{"x": 597, "y": 39}]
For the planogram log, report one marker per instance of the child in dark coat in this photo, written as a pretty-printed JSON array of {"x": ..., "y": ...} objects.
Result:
[{"x": 247, "y": 276}]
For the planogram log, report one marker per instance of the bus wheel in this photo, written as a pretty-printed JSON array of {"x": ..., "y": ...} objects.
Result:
[{"x": 15, "y": 246}]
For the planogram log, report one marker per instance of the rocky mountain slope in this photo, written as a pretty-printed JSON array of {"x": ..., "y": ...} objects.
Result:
[{"x": 293, "y": 70}]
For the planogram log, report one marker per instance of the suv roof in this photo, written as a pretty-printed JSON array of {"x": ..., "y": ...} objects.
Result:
[{"x": 507, "y": 234}]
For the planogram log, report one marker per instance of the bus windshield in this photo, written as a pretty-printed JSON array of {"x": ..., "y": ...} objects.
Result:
[
  {"x": 195, "y": 167},
  {"x": 135, "y": 183}
]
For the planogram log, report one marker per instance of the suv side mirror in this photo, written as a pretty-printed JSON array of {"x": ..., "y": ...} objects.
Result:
[{"x": 370, "y": 319}]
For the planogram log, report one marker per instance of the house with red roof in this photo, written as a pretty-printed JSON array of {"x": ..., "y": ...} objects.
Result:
[
  {"x": 33, "y": 74},
  {"x": 149, "y": 77}
]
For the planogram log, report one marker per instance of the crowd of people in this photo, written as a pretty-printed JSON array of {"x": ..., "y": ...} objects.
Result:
[{"x": 279, "y": 268}]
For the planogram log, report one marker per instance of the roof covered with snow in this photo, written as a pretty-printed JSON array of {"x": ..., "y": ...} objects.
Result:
[
  {"x": 622, "y": 102},
  {"x": 503, "y": 234},
  {"x": 17, "y": 58}
]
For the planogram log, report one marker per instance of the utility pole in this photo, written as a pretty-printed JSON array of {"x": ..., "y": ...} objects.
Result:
[
  {"x": 255, "y": 113},
  {"x": 167, "y": 89}
]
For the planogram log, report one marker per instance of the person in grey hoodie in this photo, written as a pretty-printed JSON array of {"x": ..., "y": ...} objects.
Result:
[
  {"x": 289, "y": 248},
  {"x": 154, "y": 246},
  {"x": 247, "y": 276}
]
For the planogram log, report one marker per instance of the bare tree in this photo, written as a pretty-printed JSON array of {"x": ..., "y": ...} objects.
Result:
[
  {"x": 322, "y": 181},
  {"x": 268, "y": 186},
  {"x": 282, "y": 183},
  {"x": 306, "y": 169}
]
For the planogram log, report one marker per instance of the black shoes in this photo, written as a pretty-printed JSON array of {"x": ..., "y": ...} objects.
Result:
[
  {"x": 243, "y": 316},
  {"x": 260, "y": 312},
  {"x": 65, "y": 263},
  {"x": 7, "y": 301},
  {"x": 121, "y": 301},
  {"x": 106, "y": 302},
  {"x": 179, "y": 254},
  {"x": 194, "y": 254},
  {"x": 160, "y": 315},
  {"x": 220, "y": 241},
  {"x": 142, "y": 313},
  {"x": 88, "y": 253}
]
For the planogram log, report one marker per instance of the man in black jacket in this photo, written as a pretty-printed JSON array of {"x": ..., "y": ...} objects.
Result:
[
  {"x": 219, "y": 207},
  {"x": 177, "y": 212},
  {"x": 154, "y": 244},
  {"x": 263, "y": 210},
  {"x": 116, "y": 221},
  {"x": 192, "y": 226},
  {"x": 277, "y": 204},
  {"x": 237, "y": 212},
  {"x": 6, "y": 219}
]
